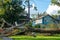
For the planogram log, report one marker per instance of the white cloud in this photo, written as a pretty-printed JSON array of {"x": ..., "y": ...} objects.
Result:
[{"x": 52, "y": 9}]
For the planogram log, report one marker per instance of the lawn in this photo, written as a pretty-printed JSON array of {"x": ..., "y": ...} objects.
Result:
[
  {"x": 35, "y": 38},
  {"x": 0, "y": 39}
]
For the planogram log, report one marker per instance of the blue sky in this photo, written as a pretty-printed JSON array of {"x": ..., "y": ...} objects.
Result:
[{"x": 42, "y": 5}]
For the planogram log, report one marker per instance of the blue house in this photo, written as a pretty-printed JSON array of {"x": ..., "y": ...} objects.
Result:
[
  {"x": 45, "y": 20},
  {"x": 49, "y": 20}
]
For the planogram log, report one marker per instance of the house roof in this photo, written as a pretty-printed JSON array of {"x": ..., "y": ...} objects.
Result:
[
  {"x": 51, "y": 17},
  {"x": 54, "y": 19},
  {"x": 47, "y": 15}
]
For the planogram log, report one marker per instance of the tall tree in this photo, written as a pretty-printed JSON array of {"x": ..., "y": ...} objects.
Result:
[
  {"x": 12, "y": 10},
  {"x": 57, "y": 2}
]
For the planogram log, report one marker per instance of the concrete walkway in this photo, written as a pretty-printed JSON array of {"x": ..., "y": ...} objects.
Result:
[{"x": 6, "y": 38}]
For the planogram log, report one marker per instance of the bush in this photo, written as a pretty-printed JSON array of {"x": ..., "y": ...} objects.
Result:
[{"x": 37, "y": 26}]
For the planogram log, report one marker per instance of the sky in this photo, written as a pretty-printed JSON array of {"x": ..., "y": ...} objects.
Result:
[{"x": 42, "y": 6}]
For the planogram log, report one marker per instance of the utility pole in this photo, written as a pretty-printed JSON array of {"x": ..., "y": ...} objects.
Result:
[{"x": 28, "y": 8}]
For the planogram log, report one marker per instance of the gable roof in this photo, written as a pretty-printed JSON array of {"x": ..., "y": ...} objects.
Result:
[{"x": 52, "y": 18}]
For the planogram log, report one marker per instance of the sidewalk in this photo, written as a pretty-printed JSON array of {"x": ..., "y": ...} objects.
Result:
[{"x": 6, "y": 38}]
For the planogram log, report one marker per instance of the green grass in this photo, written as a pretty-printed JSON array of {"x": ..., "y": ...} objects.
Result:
[
  {"x": 35, "y": 38},
  {"x": 38, "y": 37},
  {"x": 0, "y": 39}
]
